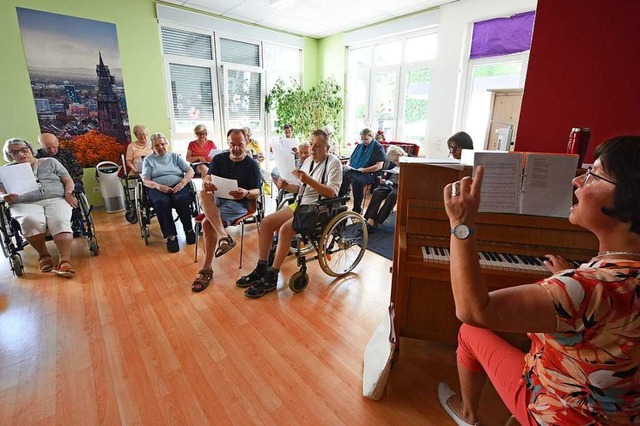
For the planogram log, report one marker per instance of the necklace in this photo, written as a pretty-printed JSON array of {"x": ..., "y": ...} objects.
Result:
[{"x": 612, "y": 253}]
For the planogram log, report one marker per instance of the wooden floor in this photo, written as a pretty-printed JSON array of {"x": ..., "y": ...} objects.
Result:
[{"x": 127, "y": 342}]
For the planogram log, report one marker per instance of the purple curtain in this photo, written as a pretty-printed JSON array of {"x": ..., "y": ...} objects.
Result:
[{"x": 502, "y": 36}]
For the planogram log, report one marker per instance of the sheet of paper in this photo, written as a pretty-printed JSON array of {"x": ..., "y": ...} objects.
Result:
[
  {"x": 502, "y": 181},
  {"x": 346, "y": 167},
  {"x": 394, "y": 171},
  {"x": 18, "y": 178},
  {"x": 289, "y": 143},
  {"x": 224, "y": 186},
  {"x": 285, "y": 163},
  {"x": 214, "y": 152},
  {"x": 547, "y": 189}
]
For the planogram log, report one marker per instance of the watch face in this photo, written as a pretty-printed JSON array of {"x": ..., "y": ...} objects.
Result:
[{"x": 461, "y": 231}]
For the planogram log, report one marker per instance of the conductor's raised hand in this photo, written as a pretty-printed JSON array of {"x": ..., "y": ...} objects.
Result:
[{"x": 462, "y": 199}]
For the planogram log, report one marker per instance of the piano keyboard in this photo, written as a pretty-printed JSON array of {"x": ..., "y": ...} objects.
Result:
[{"x": 493, "y": 260}]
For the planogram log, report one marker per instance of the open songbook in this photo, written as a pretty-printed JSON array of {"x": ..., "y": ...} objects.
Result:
[{"x": 527, "y": 183}]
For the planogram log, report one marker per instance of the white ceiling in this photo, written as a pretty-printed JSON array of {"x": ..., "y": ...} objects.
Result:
[{"x": 313, "y": 18}]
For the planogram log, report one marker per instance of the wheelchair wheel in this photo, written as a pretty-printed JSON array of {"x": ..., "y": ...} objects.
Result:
[
  {"x": 145, "y": 234},
  {"x": 342, "y": 244},
  {"x": 299, "y": 281},
  {"x": 131, "y": 216},
  {"x": 94, "y": 249},
  {"x": 16, "y": 264}
]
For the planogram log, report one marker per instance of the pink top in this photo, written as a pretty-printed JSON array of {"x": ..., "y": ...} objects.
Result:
[{"x": 201, "y": 151}]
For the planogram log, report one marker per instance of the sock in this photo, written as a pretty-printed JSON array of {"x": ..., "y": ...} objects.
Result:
[
  {"x": 272, "y": 274},
  {"x": 262, "y": 267}
]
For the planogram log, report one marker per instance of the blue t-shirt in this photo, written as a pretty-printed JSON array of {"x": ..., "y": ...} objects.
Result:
[
  {"x": 246, "y": 172},
  {"x": 166, "y": 170}
]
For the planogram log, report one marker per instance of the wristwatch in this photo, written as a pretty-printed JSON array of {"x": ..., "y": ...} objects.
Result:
[{"x": 462, "y": 231}]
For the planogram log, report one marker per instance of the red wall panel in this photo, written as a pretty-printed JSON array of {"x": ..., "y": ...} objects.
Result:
[{"x": 584, "y": 71}]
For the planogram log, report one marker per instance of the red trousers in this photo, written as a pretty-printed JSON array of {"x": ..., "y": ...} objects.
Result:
[{"x": 482, "y": 351}]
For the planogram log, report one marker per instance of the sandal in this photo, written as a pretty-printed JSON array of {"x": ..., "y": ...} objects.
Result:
[
  {"x": 64, "y": 269},
  {"x": 202, "y": 281},
  {"x": 224, "y": 248},
  {"x": 45, "y": 263}
]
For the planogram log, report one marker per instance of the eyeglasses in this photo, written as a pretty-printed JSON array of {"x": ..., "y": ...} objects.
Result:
[
  {"x": 23, "y": 151},
  {"x": 590, "y": 172},
  {"x": 202, "y": 133},
  {"x": 453, "y": 148}
]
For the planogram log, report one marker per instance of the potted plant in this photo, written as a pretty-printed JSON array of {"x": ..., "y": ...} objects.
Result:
[{"x": 306, "y": 110}]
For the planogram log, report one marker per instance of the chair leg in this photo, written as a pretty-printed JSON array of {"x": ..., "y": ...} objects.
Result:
[
  {"x": 241, "y": 243},
  {"x": 197, "y": 231}
]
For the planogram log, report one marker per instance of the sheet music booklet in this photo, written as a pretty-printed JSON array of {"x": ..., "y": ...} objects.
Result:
[{"x": 527, "y": 183}]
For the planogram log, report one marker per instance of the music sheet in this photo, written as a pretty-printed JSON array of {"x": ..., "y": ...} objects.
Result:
[
  {"x": 502, "y": 181},
  {"x": 18, "y": 178},
  {"x": 547, "y": 184}
]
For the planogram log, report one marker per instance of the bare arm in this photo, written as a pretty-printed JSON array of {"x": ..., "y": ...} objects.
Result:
[
  {"x": 191, "y": 158},
  {"x": 525, "y": 308},
  {"x": 324, "y": 190}
]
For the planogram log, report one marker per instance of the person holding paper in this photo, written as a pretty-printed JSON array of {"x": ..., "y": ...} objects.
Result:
[
  {"x": 584, "y": 362},
  {"x": 138, "y": 149},
  {"x": 49, "y": 206},
  {"x": 221, "y": 209},
  {"x": 366, "y": 160},
  {"x": 384, "y": 197},
  {"x": 51, "y": 148},
  {"x": 457, "y": 142},
  {"x": 321, "y": 176},
  {"x": 166, "y": 176},
  {"x": 304, "y": 150},
  {"x": 253, "y": 146},
  {"x": 199, "y": 150}
]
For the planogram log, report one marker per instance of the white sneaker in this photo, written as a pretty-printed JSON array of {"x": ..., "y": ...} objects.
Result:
[{"x": 444, "y": 393}]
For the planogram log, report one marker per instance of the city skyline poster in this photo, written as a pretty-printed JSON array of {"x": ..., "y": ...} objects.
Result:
[{"x": 76, "y": 80}]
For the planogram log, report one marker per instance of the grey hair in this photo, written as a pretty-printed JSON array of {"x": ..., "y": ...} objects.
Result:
[
  {"x": 15, "y": 141},
  {"x": 137, "y": 128},
  {"x": 307, "y": 144},
  {"x": 366, "y": 131},
  {"x": 394, "y": 149},
  {"x": 155, "y": 136}
]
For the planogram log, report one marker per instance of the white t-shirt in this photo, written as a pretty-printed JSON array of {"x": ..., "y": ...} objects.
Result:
[{"x": 332, "y": 178}]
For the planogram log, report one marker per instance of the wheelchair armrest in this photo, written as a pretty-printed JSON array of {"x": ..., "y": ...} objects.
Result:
[{"x": 335, "y": 200}]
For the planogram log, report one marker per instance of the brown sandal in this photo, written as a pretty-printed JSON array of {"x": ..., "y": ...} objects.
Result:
[
  {"x": 64, "y": 269},
  {"x": 45, "y": 263},
  {"x": 202, "y": 281}
]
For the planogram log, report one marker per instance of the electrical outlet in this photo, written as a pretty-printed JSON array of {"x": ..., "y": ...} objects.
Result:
[{"x": 96, "y": 190}]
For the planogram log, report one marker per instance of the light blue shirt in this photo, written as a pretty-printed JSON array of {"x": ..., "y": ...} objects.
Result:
[{"x": 166, "y": 170}]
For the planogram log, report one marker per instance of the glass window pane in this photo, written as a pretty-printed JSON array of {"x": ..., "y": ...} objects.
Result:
[
  {"x": 239, "y": 52},
  {"x": 357, "y": 112},
  {"x": 384, "y": 104},
  {"x": 359, "y": 59},
  {"x": 504, "y": 75},
  {"x": 389, "y": 53},
  {"x": 243, "y": 98},
  {"x": 192, "y": 101},
  {"x": 186, "y": 43},
  {"x": 416, "y": 105},
  {"x": 422, "y": 48}
]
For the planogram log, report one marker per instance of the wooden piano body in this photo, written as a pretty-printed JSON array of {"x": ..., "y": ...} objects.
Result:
[{"x": 421, "y": 291}]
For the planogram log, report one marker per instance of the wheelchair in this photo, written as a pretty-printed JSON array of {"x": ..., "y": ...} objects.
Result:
[
  {"x": 129, "y": 183},
  {"x": 13, "y": 242},
  {"x": 145, "y": 212},
  {"x": 339, "y": 241}
]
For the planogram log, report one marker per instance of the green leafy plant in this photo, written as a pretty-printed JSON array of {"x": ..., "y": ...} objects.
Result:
[{"x": 306, "y": 110}]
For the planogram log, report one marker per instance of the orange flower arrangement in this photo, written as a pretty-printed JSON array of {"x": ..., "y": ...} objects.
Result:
[{"x": 94, "y": 147}]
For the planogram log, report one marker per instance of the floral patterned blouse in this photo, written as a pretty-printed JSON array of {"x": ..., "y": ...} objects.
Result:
[{"x": 587, "y": 372}]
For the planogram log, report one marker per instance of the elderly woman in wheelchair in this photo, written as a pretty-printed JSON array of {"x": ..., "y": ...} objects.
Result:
[
  {"x": 166, "y": 177},
  {"x": 50, "y": 206},
  {"x": 321, "y": 176}
]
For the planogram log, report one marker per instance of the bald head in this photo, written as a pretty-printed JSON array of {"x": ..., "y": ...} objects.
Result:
[{"x": 49, "y": 143}]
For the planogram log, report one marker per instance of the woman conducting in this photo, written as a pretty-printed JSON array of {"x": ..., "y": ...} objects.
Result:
[
  {"x": 49, "y": 206},
  {"x": 584, "y": 323},
  {"x": 167, "y": 176}
]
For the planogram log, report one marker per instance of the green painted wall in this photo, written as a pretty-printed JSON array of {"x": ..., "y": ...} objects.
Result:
[
  {"x": 140, "y": 55},
  {"x": 310, "y": 61},
  {"x": 331, "y": 60}
]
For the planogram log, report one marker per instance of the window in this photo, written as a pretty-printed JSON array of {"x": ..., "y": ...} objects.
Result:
[
  {"x": 221, "y": 82},
  {"x": 388, "y": 87}
]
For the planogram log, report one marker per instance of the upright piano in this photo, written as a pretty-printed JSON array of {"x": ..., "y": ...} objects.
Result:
[{"x": 511, "y": 246}]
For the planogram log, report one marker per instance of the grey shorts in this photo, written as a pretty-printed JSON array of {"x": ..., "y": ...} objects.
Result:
[{"x": 230, "y": 210}]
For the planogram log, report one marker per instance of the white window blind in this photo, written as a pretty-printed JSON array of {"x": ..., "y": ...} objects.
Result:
[
  {"x": 191, "y": 92},
  {"x": 239, "y": 52},
  {"x": 244, "y": 98},
  {"x": 186, "y": 43}
]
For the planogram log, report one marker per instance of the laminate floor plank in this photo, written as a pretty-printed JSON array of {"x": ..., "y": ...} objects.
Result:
[{"x": 126, "y": 342}]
